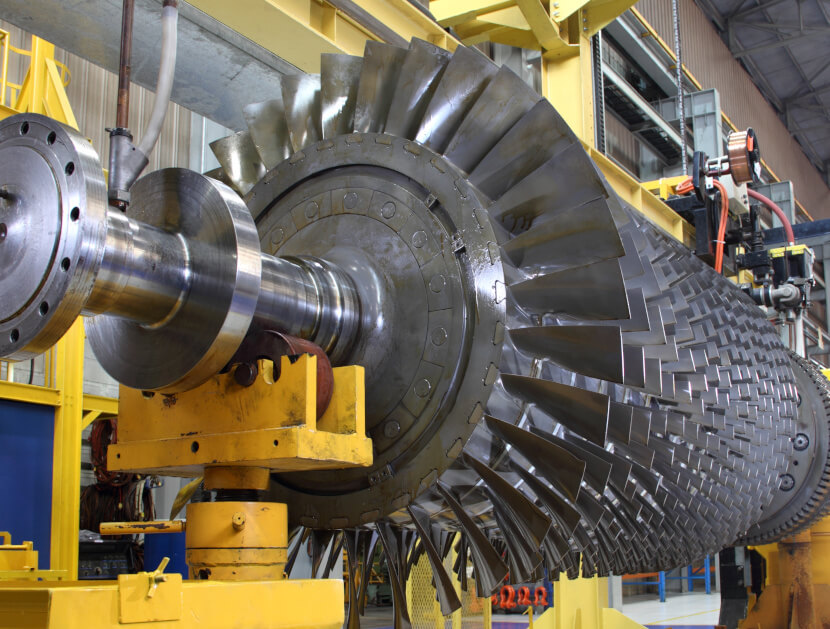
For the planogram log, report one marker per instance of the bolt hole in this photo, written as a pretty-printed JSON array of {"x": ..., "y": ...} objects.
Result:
[
  {"x": 70, "y": 168},
  {"x": 24, "y": 128},
  {"x": 3, "y": 231},
  {"x": 50, "y": 139},
  {"x": 44, "y": 308},
  {"x": 65, "y": 264},
  {"x": 194, "y": 447},
  {"x": 276, "y": 442},
  {"x": 75, "y": 213},
  {"x": 118, "y": 456},
  {"x": 795, "y": 462},
  {"x": 15, "y": 335}
]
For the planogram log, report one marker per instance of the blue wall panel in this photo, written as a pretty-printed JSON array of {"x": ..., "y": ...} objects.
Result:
[{"x": 26, "y": 442}]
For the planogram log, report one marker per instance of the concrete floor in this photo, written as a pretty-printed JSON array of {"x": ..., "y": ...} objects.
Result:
[
  {"x": 689, "y": 609},
  {"x": 692, "y": 610}
]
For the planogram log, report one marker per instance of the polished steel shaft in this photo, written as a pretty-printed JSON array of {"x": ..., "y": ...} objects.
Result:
[{"x": 145, "y": 276}]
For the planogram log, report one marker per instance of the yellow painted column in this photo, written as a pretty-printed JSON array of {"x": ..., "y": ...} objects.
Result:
[
  {"x": 66, "y": 466},
  {"x": 567, "y": 82}
]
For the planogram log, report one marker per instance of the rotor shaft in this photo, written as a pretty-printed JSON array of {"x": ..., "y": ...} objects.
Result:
[{"x": 145, "y": 276}]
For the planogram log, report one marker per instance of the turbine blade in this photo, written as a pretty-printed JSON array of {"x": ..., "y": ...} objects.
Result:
[
  {"x": 567, "y": 292},
  {"x": 239, "y": 159},
  {"x": 556, "y": 464},
  {"x": 502, "y": 103},
  {"x": 534, "y": 139},
  {"x": 443, "y": 584},
  {"x": 339, "y": 77},
  {"x": 421, "y": 71},
  {"x": 592, "y": 350},
  {"x": 465, "y": 78},
  {"x": 585, "y": 233},
  {"x": 490, "y": 569},
  {"x": 382, "y": 65},
  {"x": 582, "y": 412},
  {"x": 303, "y": 116},
  {"x": 269, "y": 131}
]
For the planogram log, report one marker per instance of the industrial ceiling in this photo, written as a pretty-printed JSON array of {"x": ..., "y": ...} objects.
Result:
[{"x": 785, "y": 47}]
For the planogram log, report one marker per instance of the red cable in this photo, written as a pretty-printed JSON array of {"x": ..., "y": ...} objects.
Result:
[
  {"x": 788, "y": 228},
  {"x": 724, "y": 215}
]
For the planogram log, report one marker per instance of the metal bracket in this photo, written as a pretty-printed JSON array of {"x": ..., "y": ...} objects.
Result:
[{"x": 150, "y": 596}]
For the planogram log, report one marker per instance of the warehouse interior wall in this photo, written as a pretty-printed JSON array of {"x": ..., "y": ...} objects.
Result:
[{"x": 711, "y": 62}]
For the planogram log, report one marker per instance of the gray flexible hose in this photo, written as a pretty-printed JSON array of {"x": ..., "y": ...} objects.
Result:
[{"x": 169, "y": 21}]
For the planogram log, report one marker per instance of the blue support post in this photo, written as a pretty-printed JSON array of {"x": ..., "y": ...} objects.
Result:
[
  {"x": 689, "y": 579},
  {"x": 661, "y": 586},
  {"x": 708, "y": 579}
]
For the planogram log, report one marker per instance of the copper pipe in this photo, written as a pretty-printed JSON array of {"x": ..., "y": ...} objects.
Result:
[{"x": 123, "y": 111}]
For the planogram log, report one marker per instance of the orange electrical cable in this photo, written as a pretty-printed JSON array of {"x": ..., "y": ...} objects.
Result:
[
  {"x": 685, "y": 186},
  {"x": 788, "y": 228},
  {"x": 724, "y": 215}
]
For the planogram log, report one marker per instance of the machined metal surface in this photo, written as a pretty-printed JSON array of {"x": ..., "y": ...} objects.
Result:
[
  {"x": 53, "y": 199},
  {"x": 552, "y": 382},
  {"x": 214, "y": 286},
  {"x": 667, "y": 391}
]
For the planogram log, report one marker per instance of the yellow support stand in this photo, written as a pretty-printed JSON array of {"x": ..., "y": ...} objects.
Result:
[
  {"x": 581, "y": 604},
  {"x": 174, "y": 604},
  {"x": 797, "y": 588}
]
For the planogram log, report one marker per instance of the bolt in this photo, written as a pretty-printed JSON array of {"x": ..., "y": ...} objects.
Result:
[
  {"x": 391, "y": 428},
  {"x": 388, "y": 210},
  {"x": 276, "y": 236},
  {"x": 439, "y": 336},
  {"x": 350, "y": 200},
  {"x": 801, "y": 441},
  {"x": 245, "y": 374},
  {"x": 311, "y": 209},
  {"x": 437, "y": 283},
  {"x": 238, "y": 521},
  {"x": 787, "y": 482},
  {"x": 3, "y": 231},
  {"x": 423, "y": 387}
]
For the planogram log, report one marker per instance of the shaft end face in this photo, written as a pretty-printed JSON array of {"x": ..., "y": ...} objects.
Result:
[{"x": 53, "y": 205}]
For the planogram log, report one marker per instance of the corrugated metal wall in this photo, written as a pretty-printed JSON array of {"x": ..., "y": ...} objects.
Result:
[
  {"x": 709, "y": 60},
  {"x": 92, "y": 94}
]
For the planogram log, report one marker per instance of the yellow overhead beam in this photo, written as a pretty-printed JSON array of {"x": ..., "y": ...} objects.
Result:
[
  {"x": 543, "y": 27},
  {"x": 453, "y": 12},
  {"x": 598, "y": 14},
  {"x": 298, "y": 31}
]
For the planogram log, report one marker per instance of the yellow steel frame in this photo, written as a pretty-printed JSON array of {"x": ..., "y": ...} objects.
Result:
[
  {"x": 299, "y": 30},
  {"x": 42, "y": 91},
  {"x": 166, "y": 602}
]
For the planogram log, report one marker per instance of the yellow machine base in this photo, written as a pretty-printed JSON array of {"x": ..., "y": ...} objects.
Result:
[{"x": 135, "y": 603}]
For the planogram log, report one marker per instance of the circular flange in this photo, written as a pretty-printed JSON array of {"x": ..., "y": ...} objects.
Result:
[
  {"x": 224, "y": 265},
  {"x": 802, "y": 491},
  {"x": 53, "y": 204},
  {"x": 415, "y": 238}
]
